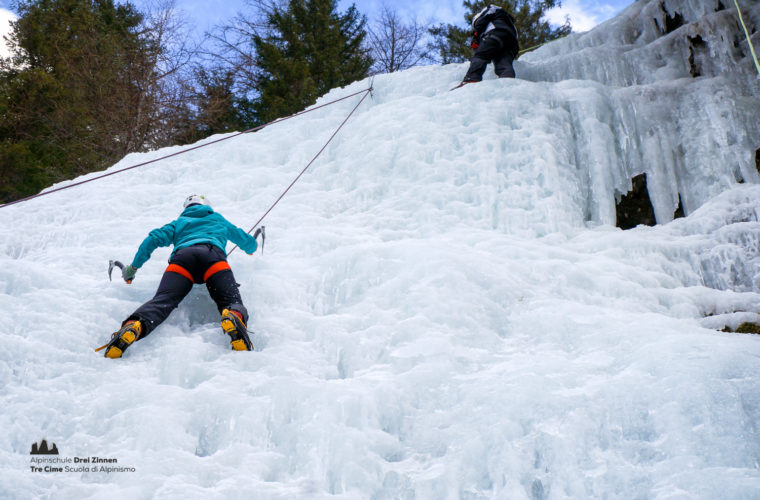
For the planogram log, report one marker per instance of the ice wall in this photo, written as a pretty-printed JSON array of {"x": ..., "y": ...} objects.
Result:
[
  {"x": 655, "y": 40},
  {"x": 677, "y": 100},
  {"x": 444, "y": 309}
]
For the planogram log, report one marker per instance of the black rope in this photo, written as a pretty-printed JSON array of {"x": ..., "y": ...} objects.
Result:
[
  {"x": 367, "y": 92},
  {"x": 183, "y": 151}
]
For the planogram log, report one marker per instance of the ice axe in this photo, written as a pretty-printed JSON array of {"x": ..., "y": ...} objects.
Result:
[
  {"x": 116, "y": 263},
  {"x": 261, "y": 231}
]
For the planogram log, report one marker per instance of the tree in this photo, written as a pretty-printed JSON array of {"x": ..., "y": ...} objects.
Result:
[
  {"x": 307, "y": 49},
  {"x": 88, "y": 81},
  {"x": 168, "y": 87},
  {"x": 451, "y": 42},
  {"x": 396, "y": 44},
  {"x": 211, "y": 106},
  {"x": 229, "y": 60}
]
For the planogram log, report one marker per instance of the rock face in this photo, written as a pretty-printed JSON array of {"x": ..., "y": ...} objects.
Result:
[
  {"x": 677, "y": 101},
  {"x": 635, "y": 207}
]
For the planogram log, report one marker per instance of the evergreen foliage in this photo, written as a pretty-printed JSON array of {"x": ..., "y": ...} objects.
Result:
[
  {"x": 452, "y": 42},
  {"x": 70, "y": 96},
  {"x": 309, "y": 49},
  {"x": 214, "y": 107}
]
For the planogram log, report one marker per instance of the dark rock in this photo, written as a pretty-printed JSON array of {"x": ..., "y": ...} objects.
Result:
[
  {"x": 696, "y": 46},
  {"x": 679, "y": 211},
  {"x": 635, "y": 207},
  {"x": 674, "y": 22},
  {"x": 748, "y": 327}
]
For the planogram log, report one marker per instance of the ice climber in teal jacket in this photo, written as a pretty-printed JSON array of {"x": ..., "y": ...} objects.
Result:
[{"x": 199, "y": 237}]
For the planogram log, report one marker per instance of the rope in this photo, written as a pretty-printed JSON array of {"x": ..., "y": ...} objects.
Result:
[
  {"x": 183, "y": 151},
  {"x": 367, "y": 92},
  {"x": 523, "y": 51},
  {"x": 749, "y": 41}
]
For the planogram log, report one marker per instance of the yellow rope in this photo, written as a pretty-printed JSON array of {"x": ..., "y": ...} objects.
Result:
[
  {"x": 746, "y": 32},
  {"x": 523, "y": 51}
]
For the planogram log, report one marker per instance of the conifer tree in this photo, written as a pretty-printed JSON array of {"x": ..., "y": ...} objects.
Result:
[
  {"x": 83, "y": 87},
  {"x": 61, "y": 114},
  {"x": 309, "y": 49},
  {"x": 212, "y": 106},
  {"x": 451, "y": 41}
]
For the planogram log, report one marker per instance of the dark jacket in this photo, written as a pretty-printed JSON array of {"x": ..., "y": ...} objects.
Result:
[{"x": 495, "y": 22}]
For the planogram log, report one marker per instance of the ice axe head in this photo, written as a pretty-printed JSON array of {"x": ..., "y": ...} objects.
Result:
[{"x": 116, "y": 263}]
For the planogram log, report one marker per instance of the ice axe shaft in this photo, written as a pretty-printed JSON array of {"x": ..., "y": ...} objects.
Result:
[{"x": 116, "y": 263}]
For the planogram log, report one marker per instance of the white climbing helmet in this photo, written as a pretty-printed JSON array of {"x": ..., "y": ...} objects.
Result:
[{"x": 196, "y": 199}]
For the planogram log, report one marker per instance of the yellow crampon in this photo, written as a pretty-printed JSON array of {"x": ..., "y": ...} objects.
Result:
[
  {"x": 235, "y": 328},
  {"x": 122, "y": 339}
]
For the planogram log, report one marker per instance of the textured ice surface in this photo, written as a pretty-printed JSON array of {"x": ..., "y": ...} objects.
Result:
[
  {"x": 678, "y": 103},
  {"x": 444, "y": 309}
]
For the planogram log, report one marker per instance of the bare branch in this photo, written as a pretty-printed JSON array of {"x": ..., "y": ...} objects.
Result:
[{"x": 396, "y": 44}]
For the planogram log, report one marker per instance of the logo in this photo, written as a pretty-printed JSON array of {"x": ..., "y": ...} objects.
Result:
[
  {"x": 76, "y": 465},
  {"x": 43, "y": 449}
]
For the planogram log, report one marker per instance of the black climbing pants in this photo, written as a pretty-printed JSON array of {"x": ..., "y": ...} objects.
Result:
[
  {"x": 203, "y": 263},
  {"x": 490, "y": 49}
]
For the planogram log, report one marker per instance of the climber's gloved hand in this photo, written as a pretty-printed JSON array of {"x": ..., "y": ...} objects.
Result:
[{"x": 129, "y": 273}]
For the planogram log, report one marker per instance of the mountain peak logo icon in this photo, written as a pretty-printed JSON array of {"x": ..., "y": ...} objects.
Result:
[{"x": 42, "y": 449}]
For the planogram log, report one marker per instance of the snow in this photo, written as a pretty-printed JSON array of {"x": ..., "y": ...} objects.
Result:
[{"x": 444, "y": 308}]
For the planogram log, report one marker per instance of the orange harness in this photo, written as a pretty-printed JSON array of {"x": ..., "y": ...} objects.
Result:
[{"x": 219, "y": 266}]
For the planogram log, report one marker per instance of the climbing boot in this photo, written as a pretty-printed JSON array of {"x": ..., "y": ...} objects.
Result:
[
  {"x": 123, "y": 338},
  {"x": 232, "y": 324}
]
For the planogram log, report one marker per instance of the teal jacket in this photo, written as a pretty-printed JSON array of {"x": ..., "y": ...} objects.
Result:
[{"x": 197, "y": 224}]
